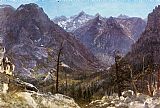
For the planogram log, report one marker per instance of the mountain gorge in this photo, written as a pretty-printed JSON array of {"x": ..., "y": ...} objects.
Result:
[
  {"x": 103, "y": 36},
  {"x": 104, "y": 61}
]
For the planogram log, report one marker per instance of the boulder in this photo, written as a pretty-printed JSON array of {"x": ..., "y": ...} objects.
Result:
[
  {"x": 128, "y": 93},
  {"x": 35, "y": 100}
]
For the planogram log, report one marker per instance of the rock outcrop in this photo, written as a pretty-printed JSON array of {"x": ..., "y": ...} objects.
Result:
[
  {"x": 127, "y": 101},
  {"x": 74, "y": 22},
  {"x": 133, "y": 26},
  {"x": 147, "y": 47},
  {"x": 99, "y": 38},
  {"x": 5, "y": 12},
  {"x": 103, "y": 37},
  {"x": 36, "y": 100}
]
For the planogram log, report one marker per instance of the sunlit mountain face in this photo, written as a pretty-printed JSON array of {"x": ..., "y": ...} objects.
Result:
[
  {"x": 103, "y": 36},
  {"x": 32, "y": 41}
]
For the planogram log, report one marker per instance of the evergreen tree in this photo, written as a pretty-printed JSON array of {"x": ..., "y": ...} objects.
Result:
[
  {"x": 72, "y": 90},
  {"x": 79, "y": 92}
]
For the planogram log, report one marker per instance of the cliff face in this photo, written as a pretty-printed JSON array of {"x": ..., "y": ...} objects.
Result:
[
  {"x": 74, "y": 22},
  {"x": 147, "y": 46},
  {"x": 5, "y": 12},
  {"x": 103, "y": 37},
  {"x": 32, "y": 42},
  {"x": 133, "y": 26}
]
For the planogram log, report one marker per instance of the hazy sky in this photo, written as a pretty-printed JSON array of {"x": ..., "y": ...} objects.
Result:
[{"x": 107, "y": 8}]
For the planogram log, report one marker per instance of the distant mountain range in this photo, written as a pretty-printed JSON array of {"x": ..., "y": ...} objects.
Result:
[
  {"x": 32, "y": 39},
  {"x": 103, "y": 36},
  {"x": 74, "y": 22}
]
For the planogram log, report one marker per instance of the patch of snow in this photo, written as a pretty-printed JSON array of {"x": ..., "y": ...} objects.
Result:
[
  {"x": 64, "y": 65},
  {"x": 20, "y": 8},
  {"x": 36, "y": 28},
  {"x": 99, "y": 24},
  {"x": 39, "y": 39},
  {"x": 4, "y": 6},
  {"x": 41, "y": 53}
]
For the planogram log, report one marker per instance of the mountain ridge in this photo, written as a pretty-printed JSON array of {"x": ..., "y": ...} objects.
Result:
[{"x": 32, "y": 39}]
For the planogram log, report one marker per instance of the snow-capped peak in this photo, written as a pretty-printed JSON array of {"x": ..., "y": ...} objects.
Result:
[
  {"x": 74, "y": 22},
  {"x": 4, "y": 6},
  {"x": 123, "y": 16}
]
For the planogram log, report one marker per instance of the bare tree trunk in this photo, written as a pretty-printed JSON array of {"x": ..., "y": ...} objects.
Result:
[
  {"x": 117, "y": 79},
  {"x": 150, "y": 85},
  {"x": 66, "y": 83},
  {"x": 150, "y": 88},
  {"x": 58, "y": 63},
  {"x": 132, "y": 82},
  {"x": 57, "y": 73},
  {"x": 142, "y": 80},
  {"x": 158, "y": 80}
]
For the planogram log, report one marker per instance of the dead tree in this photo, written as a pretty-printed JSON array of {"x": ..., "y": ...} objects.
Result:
[
  {"x": 58, "y": 65},
  {"x": 142, "y": 79},
  {"x": 150, "y": 85},
  {"x": 158, "y": 79},
  {"x": 117, "y": 60},
  {"x": 132, "y": 81}
]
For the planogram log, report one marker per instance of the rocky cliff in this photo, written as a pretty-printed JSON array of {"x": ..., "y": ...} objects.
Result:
[
  {"x": 133, "y": 26},
  {"x": 74, "y": 22},
  {"x": 147, "y": 47},
  {"x": 103, "y": 47},
  {"x": 103, "y": 37},
  {"x": 5, "y": 12}
]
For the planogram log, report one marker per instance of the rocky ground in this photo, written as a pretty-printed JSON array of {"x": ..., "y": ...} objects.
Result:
[
  {"x": 35, "y": 100},
  {"x": 128, "y": 100}
]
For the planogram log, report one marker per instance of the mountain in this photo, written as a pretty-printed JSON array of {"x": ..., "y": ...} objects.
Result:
[
  {"x": 134, "y": 26},
  {"x": 95, "y": 38},
  {"x": 147, "y": 46},
  {"x": 72, "y": 23},
  {"x": 32, "y": 42},
  {"x": 123, "y": 16},
  {"x": 5, "y": 12},
  {"x": 103, "y": 37}
]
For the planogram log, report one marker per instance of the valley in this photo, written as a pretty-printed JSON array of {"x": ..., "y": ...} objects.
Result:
[{"x": 91, "y": 58}]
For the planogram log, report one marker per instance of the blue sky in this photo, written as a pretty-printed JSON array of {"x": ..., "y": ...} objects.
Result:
[{"x": 106, "y": 8}]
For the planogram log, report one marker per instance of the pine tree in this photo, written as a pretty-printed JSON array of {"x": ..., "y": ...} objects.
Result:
[
  {"x": 89, "y": 95},
  {"x": 117, "y": 60},
  {"x": 72, "y": 90},
  {"x": 79, "y": 92}
]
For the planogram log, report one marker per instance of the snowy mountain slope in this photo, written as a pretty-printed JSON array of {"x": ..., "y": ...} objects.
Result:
[
  {"x": 102, "y": 36},
  {"x": 74, "y": 22}
]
